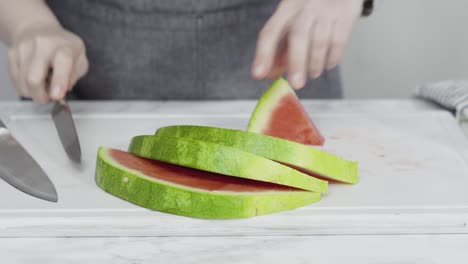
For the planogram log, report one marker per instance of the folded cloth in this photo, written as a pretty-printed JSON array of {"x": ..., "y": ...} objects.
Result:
[{"x": 452, "y": 94}]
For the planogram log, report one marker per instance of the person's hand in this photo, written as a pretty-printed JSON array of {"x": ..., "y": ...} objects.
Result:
[
  {"x": 46, "y": 50},
  {"x": 304, "y": 37}
]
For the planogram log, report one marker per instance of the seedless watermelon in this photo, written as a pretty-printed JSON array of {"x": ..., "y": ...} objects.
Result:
[
  {"x": 279, "y": 113},
  {"x": 217, "y": 158},
  {"x": 305, "y": 158},
  {"x": 189, "y": 192}
]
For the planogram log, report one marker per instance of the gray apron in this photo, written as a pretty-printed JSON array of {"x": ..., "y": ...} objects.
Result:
[{"x": 173, "y": 49}]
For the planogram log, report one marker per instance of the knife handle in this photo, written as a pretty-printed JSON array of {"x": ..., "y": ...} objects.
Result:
[{"x": 48, "y": 81}]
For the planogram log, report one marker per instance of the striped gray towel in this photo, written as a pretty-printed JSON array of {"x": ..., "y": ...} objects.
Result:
[{"x": 452, "y": 94}]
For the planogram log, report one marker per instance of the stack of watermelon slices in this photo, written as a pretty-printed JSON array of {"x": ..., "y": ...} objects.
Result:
[{"x": 219, "y": 173}]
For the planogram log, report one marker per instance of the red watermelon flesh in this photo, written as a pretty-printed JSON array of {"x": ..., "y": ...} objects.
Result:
[
  {"x": 290, "y": 121},
  {"x": 279, "y": 113},
  {"x": 191, "y": 177}
]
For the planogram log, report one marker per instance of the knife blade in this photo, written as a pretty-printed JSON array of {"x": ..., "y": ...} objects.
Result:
[
  {"x": 21, "y": 171},
  {"x": 63, "y": 120}
]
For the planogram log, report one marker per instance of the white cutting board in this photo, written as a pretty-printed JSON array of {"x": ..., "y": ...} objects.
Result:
[{"x": 413, "y": 177}]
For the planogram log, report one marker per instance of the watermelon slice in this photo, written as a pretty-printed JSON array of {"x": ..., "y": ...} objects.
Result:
[
  {"x": 224, "y": 160},
  {"x": 189, "y": 192},
  {"x": 304, "y": 158},
  {"x": 279, "y": 113}
]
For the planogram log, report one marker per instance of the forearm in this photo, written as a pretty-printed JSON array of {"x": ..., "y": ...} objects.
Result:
[{"x": 19, "y": 15}]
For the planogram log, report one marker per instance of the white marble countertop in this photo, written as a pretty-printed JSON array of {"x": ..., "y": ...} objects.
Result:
[
  {"x": 403, "y": 248},
  {"x": 389, "y": 249}
]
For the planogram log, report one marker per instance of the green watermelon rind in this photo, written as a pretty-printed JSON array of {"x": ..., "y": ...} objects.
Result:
[
  {"x": 277, "y": 149},
  {"x": 148, "y": 192},
  {"x": 266, "y": 104},
  {"x": 224, "y": 160}
]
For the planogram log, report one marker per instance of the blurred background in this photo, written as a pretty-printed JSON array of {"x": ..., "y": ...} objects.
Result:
[{"x": 402, "y": 45}]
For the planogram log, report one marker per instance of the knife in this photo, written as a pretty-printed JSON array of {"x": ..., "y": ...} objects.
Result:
[
  {"x": 63, "y": 120},
  {"x": 21, "y": 171}
]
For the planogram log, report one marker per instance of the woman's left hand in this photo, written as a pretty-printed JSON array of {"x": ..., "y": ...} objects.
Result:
[{"x": 304, "y": 37}]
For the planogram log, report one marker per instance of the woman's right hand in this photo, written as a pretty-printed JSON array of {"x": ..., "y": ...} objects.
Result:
[{"x": 42, "y": 50}]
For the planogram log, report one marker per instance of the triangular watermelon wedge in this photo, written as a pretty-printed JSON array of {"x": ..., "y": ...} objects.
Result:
[
  {"x": 189, "y": 192},
  {"x": 279, "y": 113}
]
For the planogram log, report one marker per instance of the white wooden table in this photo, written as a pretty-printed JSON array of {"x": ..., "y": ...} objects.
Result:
[{"x": 410, "y": 206}]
